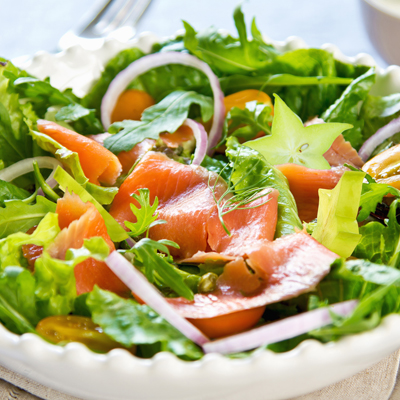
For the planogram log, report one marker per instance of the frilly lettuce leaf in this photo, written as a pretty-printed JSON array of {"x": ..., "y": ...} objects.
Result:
[
  {"x": 260, "y": 172},
  {"x": 44, "y": 234},
  {"x": 380, "y": 243},
  {"x": 128, "y": 323},
  {"x": 337, "y": 227}
]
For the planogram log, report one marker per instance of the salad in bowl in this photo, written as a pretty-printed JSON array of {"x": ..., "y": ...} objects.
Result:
[{"x": 215, "y": 195}]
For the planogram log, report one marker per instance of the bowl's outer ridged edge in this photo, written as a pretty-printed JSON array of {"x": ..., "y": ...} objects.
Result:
[{"x": 267, "y": 373}]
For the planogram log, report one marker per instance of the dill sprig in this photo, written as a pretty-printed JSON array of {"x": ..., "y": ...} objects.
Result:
[{"x": 235, "y": 198}]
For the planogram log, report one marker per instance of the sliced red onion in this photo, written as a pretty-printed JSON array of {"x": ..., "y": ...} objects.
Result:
[
  {"x": 139, "y": 285},
  {"x": 23, "y": 167},
  {"x": 200, "y": 135},
  {"x": 130, "y": 241},
  {"x": 379, "y": 137},
  {"x": 146, "y": 63},
  {"x": 281, "y": 330}
]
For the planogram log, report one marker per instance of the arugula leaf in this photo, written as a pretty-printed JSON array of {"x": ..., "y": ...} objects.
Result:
[
  {"x": 151, "y": 262},
  {"x": 380, "y": 243},
  {"x": 346, "y": 108},
  {"x": 292, "y": 142},
  {"x": 146, "y": 215},
  {"x": 227, "y": 55},
  {"x": 218, "y": 164},
  {"x": 115, "y": 231},
  {"x": 256, "y": 117},
  {"x": 166, "y": 116},
  {"x": 130, "y": 323},
  {"x": 263, "y": 174},
  {"x": 17, "y": 216},
  {"x": 337, "y": 227}
]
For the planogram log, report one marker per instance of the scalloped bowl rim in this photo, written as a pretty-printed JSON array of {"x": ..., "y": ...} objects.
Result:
[{"x": 22, "y": 353}]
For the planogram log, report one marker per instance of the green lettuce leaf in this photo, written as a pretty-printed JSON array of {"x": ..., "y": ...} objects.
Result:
[
  {"x": 346, "y": 108},
  {"x": 337, "y": 227},
  {"x": 66, "y": 182},
  {"x": 8, "y": 191},
  {"x": 130, "y": 323},
  {"x": 166, "y": 116},
  {"x": 258, "y": 171},
  {"x": 17, "y": 216},
  {"x": 379, "y": 243},
  {"x": 18, "y": 310},
  {"x": 44, "y": 234},
  {"x": 55, "y": 280}
]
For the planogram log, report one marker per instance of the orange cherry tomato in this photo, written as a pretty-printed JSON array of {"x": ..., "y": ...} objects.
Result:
[
  {"x": 229, "y": 324},
  {"x": 72, "y": 328},
  {"x": 131, "y": 104},
  {"x": 174, "y": 140},
  {"x": 240, "y": 99}
]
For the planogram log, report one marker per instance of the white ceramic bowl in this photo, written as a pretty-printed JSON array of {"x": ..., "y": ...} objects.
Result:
[
  {"x": 382, "y": 20},
  {"x": 118, "y": 375}
]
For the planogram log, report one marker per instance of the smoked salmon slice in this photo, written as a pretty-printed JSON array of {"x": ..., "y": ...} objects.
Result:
[
  {"x": 282, "y": 269},
  {"x": 187, "y": 204},
  {"x": 80, "y": 221},
  {"x": 304, "y": 183},
  {"x": 341, "y": 152},
  {"x": 98, "y": 163}
]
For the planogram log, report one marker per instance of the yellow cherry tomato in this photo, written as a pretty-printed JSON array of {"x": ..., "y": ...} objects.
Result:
[
  {"x": 240, "y": 99},
  {"x": 385, "y": 167},
  {"x": 63, "y": 329},
  {"x": 131, "y": 104}
]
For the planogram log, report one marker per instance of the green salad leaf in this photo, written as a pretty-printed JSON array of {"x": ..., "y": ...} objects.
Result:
[
  {"x": 228, "y": 55},
  {"x": 292, "y": 142},
  {"x": 146, "y": 215},
  {"x": 8, "y": 191},
  {"x": 129, "y": 323},
  {"x": 18, "y": 216},
  {"x": 256, "y": 118},
  {"x": 347, "y": 107},
  {"x": 17, "y": 300},
  {"x": 263, "y": 174},
  {"x": 337, "y": 227},
  {"x": 166, "y": 116},
  {"x": 380, "y": 243}
]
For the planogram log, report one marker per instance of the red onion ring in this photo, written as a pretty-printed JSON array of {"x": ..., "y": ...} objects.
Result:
[
  {"x": 137, "y": 282},
  {"x": 281, "y": 330},
  {"x": 379, "y": 137},
  {"x": 146, "y": 63},
  {"x": 200, "y": 135}
]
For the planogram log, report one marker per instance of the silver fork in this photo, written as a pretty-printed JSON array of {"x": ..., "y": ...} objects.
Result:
[{"x": 113, "y": 18}]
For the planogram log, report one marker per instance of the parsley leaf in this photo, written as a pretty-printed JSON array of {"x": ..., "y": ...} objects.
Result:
[{"x": 291, "y": 142}]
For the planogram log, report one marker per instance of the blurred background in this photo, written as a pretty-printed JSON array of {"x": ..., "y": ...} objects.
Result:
[{"x": 27, "y": 26}]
